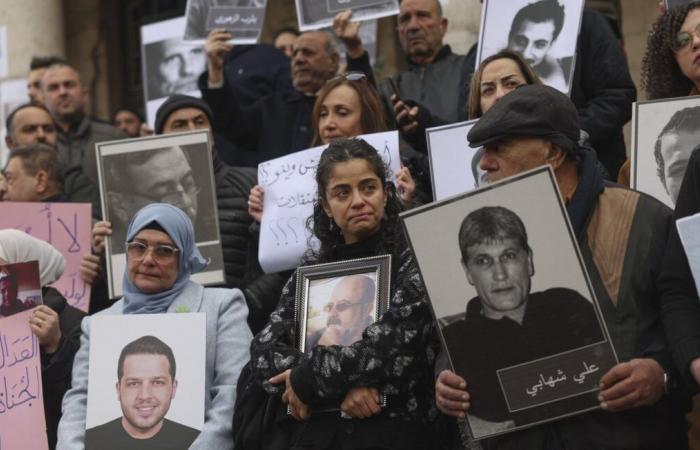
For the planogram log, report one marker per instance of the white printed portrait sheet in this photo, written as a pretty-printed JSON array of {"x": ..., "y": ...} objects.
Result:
[
  {"x": 454, "y": 165},
  {"x": 290, "y": 192},
  {"x": 173, "y": 168},
  {"x": 315, "y": 14},
  {"x": 146, "y": 376},
  {"x": 170, "y": 64},
  {"x": 664, "y": 134},
  {"x": 515, "y": 307},
  {"x": 242, "y": 18},
  {"x": 544, "y": 32}
]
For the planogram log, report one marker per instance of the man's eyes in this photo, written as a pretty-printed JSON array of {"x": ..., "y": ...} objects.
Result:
[{"x": 541, "y": 44}]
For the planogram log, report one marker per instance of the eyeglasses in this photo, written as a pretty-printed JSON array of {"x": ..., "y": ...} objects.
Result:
[
  {"x": 350, "y": 76},
  {"x": 342, "y": 306},
  {"x": 161, "y": 253},
  {"x": 684, "y": 39}
]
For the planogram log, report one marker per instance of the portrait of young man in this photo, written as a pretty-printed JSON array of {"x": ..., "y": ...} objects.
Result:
[
  {"x": 146, "y": 386},
  {"x": 173, "y": 67},
  {"x": 349, "y": 310},
  {"x": 9, "y": 302}
]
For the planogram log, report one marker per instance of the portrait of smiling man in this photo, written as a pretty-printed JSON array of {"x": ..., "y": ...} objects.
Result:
[
  {"x": 146, "y": 386},
  {"x": 499, "y": 263}
]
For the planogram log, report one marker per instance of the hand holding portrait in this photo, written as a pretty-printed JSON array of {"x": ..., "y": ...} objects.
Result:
[
  {"x": 631, "y": 384},
  {"x": 348, "y": 32},
  {"x": 361, "y": 403},
  {"x": 44, "y": 325},
  {"x": 451, "y": 394},
  {"x": 216, "y": 46}
]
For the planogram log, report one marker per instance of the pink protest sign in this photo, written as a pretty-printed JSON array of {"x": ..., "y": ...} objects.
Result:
[
  {"x": 22, "y": 423},
  {"x": 66, "y": 226}
]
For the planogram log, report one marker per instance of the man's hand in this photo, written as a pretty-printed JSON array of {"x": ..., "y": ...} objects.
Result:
[
  {"x": 361, "y": 402},
  {"x": 631, "y": 384},
  {"x": 300, "y": 411},
  {"x": 406, "y": 116},
  {"x": 90, "y": 269},
  {"x": 100, "y": 231},
  {"x": 44, "y": 324},
  {"x": 451, "y": 394},
  {"x": 348, "y": 32},
  {"x": 216, "y": 47}
]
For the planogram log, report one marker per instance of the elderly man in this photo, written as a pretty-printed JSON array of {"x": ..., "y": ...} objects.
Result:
[
  {"x": 622, "y": 235},
  {"x": 349, "y": 313},
  {"x": 437, "y": 78},
  {"x": 279, "y": 123},
  {"x": 146, "y": 386},
  {"x": 31, "y": 124},
  {"x": 66, "y": 98}
]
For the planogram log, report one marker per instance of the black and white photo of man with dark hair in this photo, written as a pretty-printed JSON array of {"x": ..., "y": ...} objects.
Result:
[{"x": 534, "y": 30}]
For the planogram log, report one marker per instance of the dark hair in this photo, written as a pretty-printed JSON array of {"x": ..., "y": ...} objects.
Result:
[
  {"x": 290, "y": 30},
  {"x": 11, "y": 117},
  {"x": 43, "y": 62},
  {"x": 132, "y": 111},
  {"x": 36, "y": 157},
  {"x": 687, "y": 119},
  {"x": 474, "y": 106},
  {"x": 146, "y": 345},
  {"x": 491, "y": 224},
  {"x": 538, "y": 12},
  {"x": 372, "y": 112},
  {"x": 340, "y": 151},
  {"x": 661, "y": 76}
]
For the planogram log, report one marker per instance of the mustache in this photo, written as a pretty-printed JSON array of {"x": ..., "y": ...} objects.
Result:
[{"x": 333, "y": 321}]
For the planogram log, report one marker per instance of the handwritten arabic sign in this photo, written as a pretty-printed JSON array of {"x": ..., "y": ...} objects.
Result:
[
  {"x": 66, "y": 226},
  {"x": 290, "y": 191},
  {"x": 22, "y": 423},
  {"x": 243, "y": 23}
]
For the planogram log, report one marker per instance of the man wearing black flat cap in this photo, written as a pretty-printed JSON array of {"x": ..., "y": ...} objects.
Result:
[{"x": 622, "y": 236}]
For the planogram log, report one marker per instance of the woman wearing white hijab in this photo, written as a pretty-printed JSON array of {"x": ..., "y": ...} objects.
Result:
[
  {"x": 161, "y": 256},
  {"x": 55, "y": 323}
]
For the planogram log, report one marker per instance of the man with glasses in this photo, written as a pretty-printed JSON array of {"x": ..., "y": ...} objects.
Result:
[{"x": 349, "y": 312}]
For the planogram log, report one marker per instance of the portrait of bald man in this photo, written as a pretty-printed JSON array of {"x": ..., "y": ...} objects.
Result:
[{"x": 349, "y": 310}]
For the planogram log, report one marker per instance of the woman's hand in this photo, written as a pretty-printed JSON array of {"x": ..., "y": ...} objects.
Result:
[
  {"x": 255, "y": 203},
  {"x": 90, "y": 269},
  {"x": 405, "y": 185},
  {"x": 300, "y": 411},
  {"x": 361, "y": 402},
  {"x": 100, "y": 231},
  {"x": 216, "y": 46},
  {"x": 451, "y": 394},
  {"x": 44, "y": 324}
]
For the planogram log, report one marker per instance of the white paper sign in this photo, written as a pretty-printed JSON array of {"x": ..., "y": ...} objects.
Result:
[
  {"x": 689, "y": 232},
  {"x": 453, "y": 168},
  {"x": 290, "y": 191}
]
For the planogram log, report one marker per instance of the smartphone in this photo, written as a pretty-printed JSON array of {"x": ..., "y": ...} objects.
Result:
[{"x": 394, "y": 87}]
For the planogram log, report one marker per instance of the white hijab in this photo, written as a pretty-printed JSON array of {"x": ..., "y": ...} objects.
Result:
[{"x": 17, "y": 246}]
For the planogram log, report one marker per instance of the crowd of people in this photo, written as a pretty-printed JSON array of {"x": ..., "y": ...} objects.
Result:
[{"x": 393, "y": 382}]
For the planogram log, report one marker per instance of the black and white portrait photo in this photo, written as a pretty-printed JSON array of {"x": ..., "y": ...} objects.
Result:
[
  {"x": 242, "y": 18},
  {"x": 454, "y": 165},
  {"x": 315, "y": 14},
  {"x": 170, "y": 64},
  {"x": 664, "y": 134},
  {"x": 174, "y": 169},
  {"x": 503, "y": 271},
  {"x": 544, "y": 32},
  {"x": 146, "y": 381}
]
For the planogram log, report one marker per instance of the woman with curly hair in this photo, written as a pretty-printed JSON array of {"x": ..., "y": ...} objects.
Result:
[
  {"x": 356, "y": 216},
  {"x": 669, "y": 66}
]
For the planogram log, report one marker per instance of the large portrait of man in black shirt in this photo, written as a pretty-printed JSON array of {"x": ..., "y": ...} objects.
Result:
[{"x": 146, "y": 386}]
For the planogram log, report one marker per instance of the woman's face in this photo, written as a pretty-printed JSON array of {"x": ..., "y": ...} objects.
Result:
[
  {"x": 355, "y": 199},
  {"x": 149, "y": 275},
  {"x": 688, "y": 58},
  {"x": 498, "y": 78},
  {"x": 340, "y": 114}
]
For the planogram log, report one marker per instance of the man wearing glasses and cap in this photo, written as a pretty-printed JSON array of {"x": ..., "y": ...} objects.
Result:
[{"x": 349, "y": 312}]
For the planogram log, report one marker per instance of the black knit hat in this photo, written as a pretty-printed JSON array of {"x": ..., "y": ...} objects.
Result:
[
  {"x": 179, "y": 101},
  {"x": 530, "y": 110}
]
